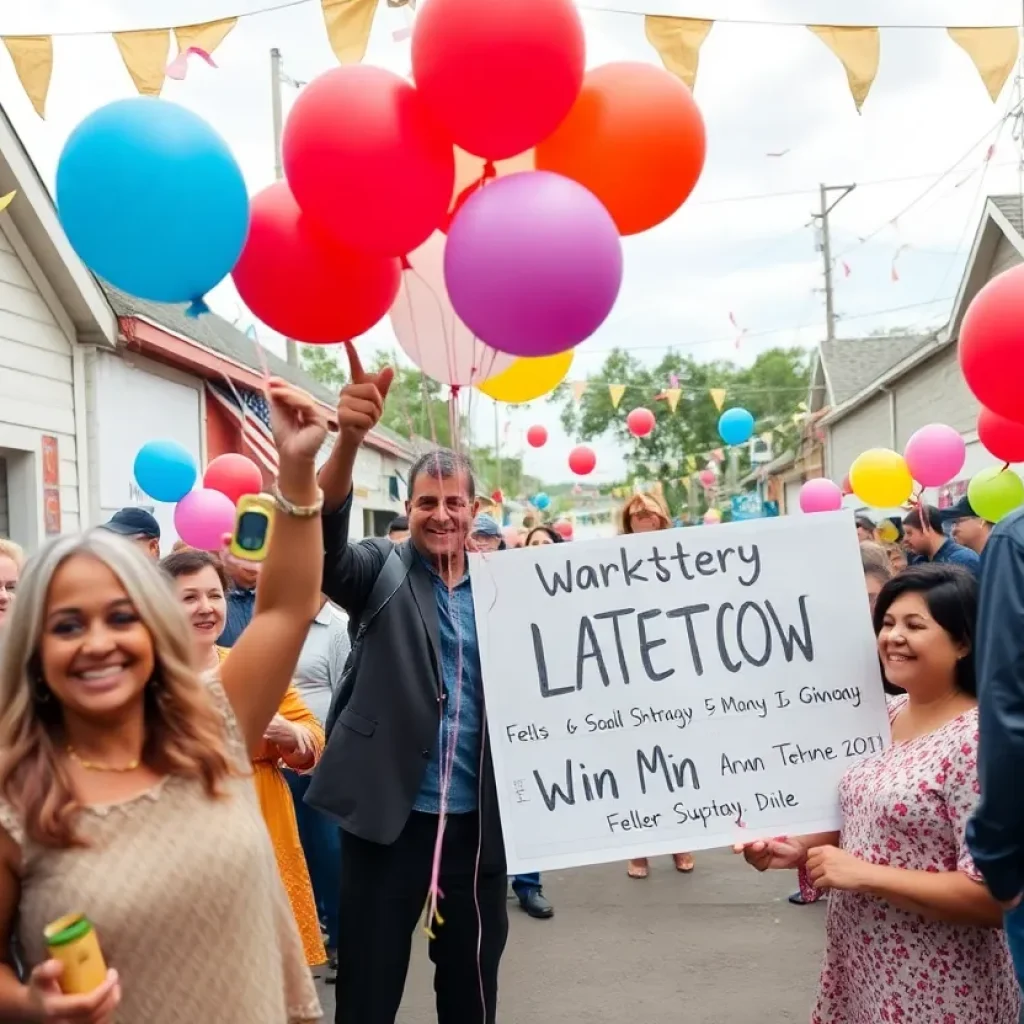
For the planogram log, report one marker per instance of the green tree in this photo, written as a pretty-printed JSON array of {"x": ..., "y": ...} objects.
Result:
[
  {"x": 772, "y": 389},
  {"x": 321, "y": 363}
]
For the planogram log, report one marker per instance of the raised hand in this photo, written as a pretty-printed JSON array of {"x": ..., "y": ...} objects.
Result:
[
  {"x": 298, "y": 423},
  {"x": 361, "y": 402}
]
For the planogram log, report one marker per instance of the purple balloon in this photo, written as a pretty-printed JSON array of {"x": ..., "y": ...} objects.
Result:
[{"x": 533, "y": 263}]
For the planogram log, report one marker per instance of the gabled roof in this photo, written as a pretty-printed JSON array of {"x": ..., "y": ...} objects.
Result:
[
  {"x": 216, "y": 334},
  {"x": 34, "y": 217},
  {"x": 1002, "y": 219}
]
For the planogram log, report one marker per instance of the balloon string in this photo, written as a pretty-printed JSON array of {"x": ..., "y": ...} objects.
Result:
[
  {"x": 449, "y": 346},
  {"x": 1005, "y": 467},
  {"x": 489, "y": 172}
]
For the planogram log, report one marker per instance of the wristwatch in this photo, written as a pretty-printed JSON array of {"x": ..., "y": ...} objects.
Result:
[{"x": 291, "y": 509}]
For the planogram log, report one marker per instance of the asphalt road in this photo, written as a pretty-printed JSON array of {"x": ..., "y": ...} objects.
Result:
[{"x": 720, "y": 946}]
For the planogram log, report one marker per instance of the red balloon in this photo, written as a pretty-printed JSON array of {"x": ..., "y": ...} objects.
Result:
[
  {"x": 992, "y": 344},
  {"x": 1002, "y": 437},
  {"x": 564, "y": 529},
  {"x": 640, "y": 421},
  {"x": 847, "y": 487},
  {"x": 234, "y": 475},
  {"x": 497, "y": 497},
  {"x": 582, "y": 459},
  {"x": 707, "y": 477},
  {"x": 500, "y": 74},
  {"x": 536, "y": 436},
  {"x": 367, "y": 161},
  {"x": 304, "y": 284}
]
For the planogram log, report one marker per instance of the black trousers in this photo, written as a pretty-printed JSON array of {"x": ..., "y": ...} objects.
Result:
[{"x": 383, "y": 897}]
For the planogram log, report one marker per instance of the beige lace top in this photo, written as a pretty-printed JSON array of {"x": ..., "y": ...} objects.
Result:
[{"x": 186, "y": 900}]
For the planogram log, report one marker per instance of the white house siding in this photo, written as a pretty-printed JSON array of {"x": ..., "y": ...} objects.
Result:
[
  {"x": 37, "y": 397},
  {"x": 866, "y": 427},
  {"x": 1006, "y": 256},
  {"x": 934, "y": 392},
  {"x": 4, "y": 523},
  {"x": 371, "y": 493}
]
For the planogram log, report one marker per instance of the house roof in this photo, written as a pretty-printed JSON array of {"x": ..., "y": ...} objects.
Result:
[
  {"x": 34, "y": 218},
  {"x": 851, "y": 364},
  {"x": 215, "y": 333},
  {"x": 1002, "y": 218}
]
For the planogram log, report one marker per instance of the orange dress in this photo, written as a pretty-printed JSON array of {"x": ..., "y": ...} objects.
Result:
[{"x": 279, "y": 814}]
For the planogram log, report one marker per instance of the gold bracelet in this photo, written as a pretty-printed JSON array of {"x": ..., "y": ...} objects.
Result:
[{"x": 291, "y": 509}]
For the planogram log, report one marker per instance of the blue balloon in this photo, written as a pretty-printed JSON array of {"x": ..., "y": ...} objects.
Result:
[
  {"x": 541, "y": 501},
  {"x": 735, "y": 426},
  {"x": 165, "y": 470},
  {"x": 152, "y": 200}
]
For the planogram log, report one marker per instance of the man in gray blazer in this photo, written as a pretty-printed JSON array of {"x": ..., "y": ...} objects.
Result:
[{"x": 407, "y": 740}]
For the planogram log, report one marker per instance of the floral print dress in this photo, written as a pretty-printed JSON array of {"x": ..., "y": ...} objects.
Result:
[{"x": 908, "y": 807}]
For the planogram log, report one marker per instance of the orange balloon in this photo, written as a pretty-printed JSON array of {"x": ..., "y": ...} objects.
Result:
[{"x": 635, "y": 138}]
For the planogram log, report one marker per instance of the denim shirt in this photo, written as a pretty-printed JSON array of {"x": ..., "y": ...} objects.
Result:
[
  {"x": 952, "y": 553},
  {"x": 240, "y": 607},
  {"x": 460, "y": 678}
]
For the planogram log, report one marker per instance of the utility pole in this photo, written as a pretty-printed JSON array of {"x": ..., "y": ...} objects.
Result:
[
  {"x": 826, "y": 249},
  {"x": 277, "y": 119}
]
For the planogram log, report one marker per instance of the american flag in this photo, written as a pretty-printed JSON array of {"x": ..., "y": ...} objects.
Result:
[{"x": 253, "y": 418}]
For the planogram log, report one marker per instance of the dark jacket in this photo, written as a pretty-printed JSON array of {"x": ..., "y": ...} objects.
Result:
[
  {"x": 995, "y": 834},
  {"x": 373, "y": 766}
]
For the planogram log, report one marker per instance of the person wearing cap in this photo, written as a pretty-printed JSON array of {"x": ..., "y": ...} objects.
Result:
[
  {"x": 969, "y": 529},
  {"x": 486, "y": 534},
  {"x": 866, "y": 529},
  {"x": 922, "y": 532},
  {"x": 139, "y": 526}
]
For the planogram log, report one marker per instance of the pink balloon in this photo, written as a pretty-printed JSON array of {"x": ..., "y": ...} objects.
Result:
[
  {"x": 202, "y": 518},
  {"x": 640, "y": 422},
  {"x": 712, "y": 517},
  {"x": 582, "y": 460},
  {"x": 935, "y": 454},
  {"x": 429, "y": 330},
  {"x": 820, "y": 495},
  {"x": 537, "y": 436},
  {"x": 706, "y": 477},
  {"x": 564, "y": 529}
]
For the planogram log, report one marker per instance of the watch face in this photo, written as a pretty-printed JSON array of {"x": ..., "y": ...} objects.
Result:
[{"x": 252, "y": 530}]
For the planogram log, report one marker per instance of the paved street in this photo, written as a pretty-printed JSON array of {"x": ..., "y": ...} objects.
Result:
[{"x": 721, "y": 946}]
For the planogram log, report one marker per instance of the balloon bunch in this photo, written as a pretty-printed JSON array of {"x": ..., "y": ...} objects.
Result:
[{"x": 166, "y": 471}]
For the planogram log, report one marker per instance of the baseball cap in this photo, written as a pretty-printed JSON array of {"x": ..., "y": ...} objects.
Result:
[
  {"x": 486, "y": 526},
  {"x": 961, "y": 510},
  {"x": 133, "y": 522}
]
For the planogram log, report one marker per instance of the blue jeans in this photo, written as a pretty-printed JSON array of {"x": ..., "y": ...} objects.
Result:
[
  {"x": 1014, "y": 924},
  {"x": 321, "y": 843},
  {"x": 523, "y": 885}
]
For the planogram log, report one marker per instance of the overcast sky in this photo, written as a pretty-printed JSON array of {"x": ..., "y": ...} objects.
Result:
[{"x": 741, "y": 245}]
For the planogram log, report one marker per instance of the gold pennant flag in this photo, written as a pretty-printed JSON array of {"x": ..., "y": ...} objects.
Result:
[
  {"x": 145, "y": 56},
  {"x": 678, "y": 42},
  {"x": 993, "y": 52},
  {"x": 691, "y": 462},
  {"x": 615, "y": 393},
  {"x": 858, "y": 51},
  {"x": 673, "y": 395},
  {"x": 33, "y": 64},
  {"x": 579, "y": 388},
  {"x": 718, "y": 397},
  {"x": 207, "y": 36},
  {"x": 348, "y": 25}
]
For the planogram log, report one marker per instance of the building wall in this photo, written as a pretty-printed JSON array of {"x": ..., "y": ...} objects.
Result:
[
  {"x": 866, "y": 427},
  {"x": 37, "y": 399},
  {"x": 1006, "y": 256},
  {"x": 133, "y": 400},
  {"x": 934, "y": 392}
]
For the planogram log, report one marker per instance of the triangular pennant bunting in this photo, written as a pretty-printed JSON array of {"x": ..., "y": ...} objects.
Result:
[
  {"x": 993, "y": 52},
  {"x": 348, "y": 25},
  {"x": 858, "y": 51},
  {"x": 718, "y": 397},
  {"x": 673, "y": 395},
  {"x": 678, "y": 42},
  {"x": 691, "y": 462},
  {"x": 615, "y": 393},
  {"x": 579, "y": 389},
  {"x": 206, "y": 37},
  {"x": 33, "y": 64},
  {"x": 145, "y": 56}
]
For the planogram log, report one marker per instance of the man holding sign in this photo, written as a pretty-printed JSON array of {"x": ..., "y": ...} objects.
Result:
[{"x": 407, "y": 770}]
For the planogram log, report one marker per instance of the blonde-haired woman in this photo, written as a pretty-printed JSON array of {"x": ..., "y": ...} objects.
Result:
[
  {"x": 11, "y": 560},
  {"x": 646, "y": 513},
  {"x": 125, "y": 787}
]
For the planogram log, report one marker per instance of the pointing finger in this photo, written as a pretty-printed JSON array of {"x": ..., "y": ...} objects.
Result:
[{"x": 355, "y": 365}]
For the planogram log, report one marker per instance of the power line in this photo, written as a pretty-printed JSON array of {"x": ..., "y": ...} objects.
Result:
[{"x": 764, "y": 333}]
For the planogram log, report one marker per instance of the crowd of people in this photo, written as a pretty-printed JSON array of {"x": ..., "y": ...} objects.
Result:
[{"x": 241, "y": 770}]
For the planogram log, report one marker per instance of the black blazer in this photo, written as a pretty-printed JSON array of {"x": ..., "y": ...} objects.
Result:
[{"x": 377, "y": 753}]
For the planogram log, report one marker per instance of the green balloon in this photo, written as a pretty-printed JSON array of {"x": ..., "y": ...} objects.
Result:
[{"x": 995, "y": 492}]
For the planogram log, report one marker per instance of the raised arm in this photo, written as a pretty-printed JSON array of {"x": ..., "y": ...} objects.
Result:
[
  {"x": 256, "y": 673},
  {"x": 350, "y": 569}
]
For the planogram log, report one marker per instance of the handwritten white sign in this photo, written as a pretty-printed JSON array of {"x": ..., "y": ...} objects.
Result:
[{"x": 676, "y": 691}]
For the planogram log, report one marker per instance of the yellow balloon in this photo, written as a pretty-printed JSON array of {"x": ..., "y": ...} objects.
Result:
[
  {"x": 880, "y": 478},
  {"x": 527, "y": 379},
  {"x": 887, "y": 532}
]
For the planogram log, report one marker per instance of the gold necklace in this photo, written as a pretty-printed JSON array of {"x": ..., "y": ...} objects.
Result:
[{"x": 93, "y": 766}]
